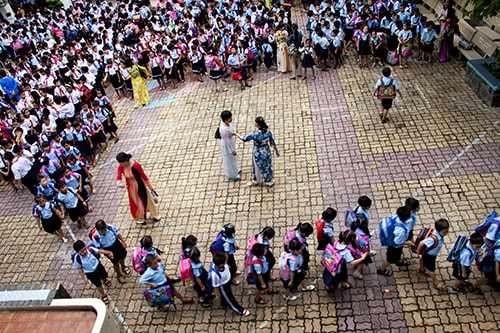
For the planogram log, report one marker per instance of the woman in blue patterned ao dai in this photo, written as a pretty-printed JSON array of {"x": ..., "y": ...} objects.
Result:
[{"x": 262, "y": 168}]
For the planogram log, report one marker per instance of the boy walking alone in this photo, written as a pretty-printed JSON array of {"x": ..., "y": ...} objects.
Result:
[{"x": 385, "y": 90}]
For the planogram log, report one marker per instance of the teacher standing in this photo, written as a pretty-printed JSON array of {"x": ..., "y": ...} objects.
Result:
[{"x": 139, "y": 188}]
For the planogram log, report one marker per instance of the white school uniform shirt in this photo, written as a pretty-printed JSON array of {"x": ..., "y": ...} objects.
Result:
[{"x": 218, "y": 281}]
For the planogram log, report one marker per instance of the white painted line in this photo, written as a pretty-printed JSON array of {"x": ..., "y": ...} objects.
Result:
[
  {"x": 457, "y": 157},
  {"x": 119, "y": 316},
  {"x": 422, "y": 95}
]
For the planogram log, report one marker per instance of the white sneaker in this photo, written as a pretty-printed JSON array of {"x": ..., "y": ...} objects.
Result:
[
  {"x": 269, "y": 184},
  {"x": 309, "y": 288},
  {"x": 245, "y": 313},
  {"x": 373, "y": 253},
  {"x": 252, "y": 183},
  {"x": 291, "y": 297}
]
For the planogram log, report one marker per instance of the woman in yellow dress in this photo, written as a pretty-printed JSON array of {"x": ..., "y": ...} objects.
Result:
[
  {"x": 141, "y": 94},
  {"x": 282, "y": 59}
]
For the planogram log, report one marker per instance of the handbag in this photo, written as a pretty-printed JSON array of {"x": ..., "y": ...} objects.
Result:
[
  {"x": 155, "y": 196},
  {"x": 217, "y": 134},
  {"x": 406, "y": 51}
]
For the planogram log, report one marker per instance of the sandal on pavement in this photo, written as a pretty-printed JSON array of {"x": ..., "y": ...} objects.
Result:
[
  {"x": 107, "y": 283},
  {"x": 260, "y": 301},
  {"x": 163, "y": 308},
  {"x": 245, "y": 313},
  {"x": 385, "y": 272},
  {"x": 404, "y": 262},
  {"x": 459, "y": 289},
  {"x": 126, "y": 270},
  {"x": 478, "y": 291},
  {"x": 346, "y": 286},
  {"x": 441, "y": 287},
  {"x": 105, "y": 299},
  {"x": 121, "y": 279}
]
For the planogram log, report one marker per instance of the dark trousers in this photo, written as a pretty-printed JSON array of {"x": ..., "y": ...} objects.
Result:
[{"x": 228, "y": 299}]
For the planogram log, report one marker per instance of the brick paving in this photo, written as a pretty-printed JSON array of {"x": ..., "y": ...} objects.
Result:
[{"x": 441, "y": 145}]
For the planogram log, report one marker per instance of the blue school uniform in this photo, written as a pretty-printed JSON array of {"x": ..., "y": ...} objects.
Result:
[
  {"x": 154, "y": 276},
  {"x": 89, "y": 262},
  {"x": 429, "y": 242}
]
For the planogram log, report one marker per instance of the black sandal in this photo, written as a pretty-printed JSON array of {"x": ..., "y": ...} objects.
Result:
[
  {"x": 404, "y": 262},
  {"x": 385, "y": 272},
  {"x": 107, "y": 283},
  {"x": 105, "y": 299}
]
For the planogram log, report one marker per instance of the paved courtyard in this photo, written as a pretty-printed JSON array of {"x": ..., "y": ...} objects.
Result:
[{"x": 441, "y": 146}]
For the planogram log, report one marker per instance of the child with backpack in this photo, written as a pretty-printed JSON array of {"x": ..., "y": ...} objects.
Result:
[
  {"x": 301, "y": 233},
  {"x": 200, "y": 275},
  {"x": 361, "y": 244},
  {"x": 260, "y": 273},
  {"x": 187, "y": 244},
  {"x": 461, "y": 265},
  {"x": 394, "y": 235},
  {"x": 46, "y": 212},
  {"x": 429, "y": 248},
  {"x": 110, "y": 239},
  {"x": 86, "y": 261},
  {"x": 155, "y": 276},
  {"x": 141, "y": 251},
  {"x": 264, "y": 238},
  {"x": 226, "y": 243},
  {"x": 220, "y": 278},
  {"x": 69, "y": 199},
  {"x": 341, "y": 247},
  {"x": 414, "y": 206},
  {"x": 292, "y": 273},
  {"x": 324, "y": 228},
  {"x": 385, "y": 90}
]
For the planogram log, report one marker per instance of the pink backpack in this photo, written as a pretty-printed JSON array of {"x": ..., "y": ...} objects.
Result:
[
  {"x": 332, "y": 259},
  {"x": 289, "y": 235},
  {"x": 186, "y": 271},
  {"x": 137, "y": 255},
  {"x": 362, "y": 242},
  {"x": 284, "y": 266}
]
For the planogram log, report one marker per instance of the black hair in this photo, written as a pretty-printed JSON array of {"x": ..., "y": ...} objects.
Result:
[
  {"x": 386, "y": 72},
  {"x": 189, "y": 241},
  {"x": 262, "y": 124},
  {"x": 150, "y": 258},
  {"x": 259, "y": 250},
  {"x": 225, "y": 115},
  {"x": 364, "y": 201},
  {"x": 412, "y": 203},
  {"x": 100, "y": 225},
  {"x": 78, "y": 245},
  {"x": 123, "y": 157},
  {"x": 441, "y": 225},
  {"x": 329, "y": 214},
  {"x": 195, "y": 255},
  {"x": 267, "y": 232},
  {"x": 294, "y": 245},
  {"x": 476, "y": 239},
  {"x": 219, "y": 259},
  {"x": 305, "y": 228},
  {"x": 403, "y": 213},
  {"x": 361, "y": 223},
  {"x": 347, "y": 237},
  {"x": 228, "y": 230},
  {"x": 147, "y": 243},
  {"x": 60, "y": 184}
]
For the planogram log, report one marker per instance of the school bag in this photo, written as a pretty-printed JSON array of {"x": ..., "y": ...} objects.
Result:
[
  {"x": 386, "y": 229},
  {"x": 93, "y": 234},
  {"x": 289, "y": 235},
  {"x": 350, "y": 216},
  {"x": 332, "y": 260},
  {"x": 159, "y": 296},
  {"x": 386, "y": 91},
  {"x": 250, "y": 275},
  {"x": 137, "y": 255},
  {"x": 392, "y": 58},
  {"x": 75, "y": 257},
  {"x": 457, "y": 248},
  {"x": 284, "y": 265},
  {"x": 210, "y": 287},
  {"x": 248, "y": 263},
  {"x": 424, "y": 234},
  {"x": 217, "y": 245},
  {"x": 492, "y": 218},
  {"x": 320, "y": 226},
  {"x": 486, "y": 257},
  {"x": 362, "y": 242},
  {"x": 186, "y": 272}
]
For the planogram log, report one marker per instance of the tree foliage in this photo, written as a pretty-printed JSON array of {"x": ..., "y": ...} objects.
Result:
[{"x": 482, "y": 8}]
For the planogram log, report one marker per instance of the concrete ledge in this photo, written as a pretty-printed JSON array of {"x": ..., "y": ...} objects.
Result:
[{"x": 484, "y": 83}]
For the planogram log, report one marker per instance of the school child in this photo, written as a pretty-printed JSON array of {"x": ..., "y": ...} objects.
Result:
[
  {"x": 461, "y": 267},
  {"x": 79, "y": 166},
  {"x": 69, "y": 199},
  {"x": 46, "y": 212},
  {"x": 148, "y": 247},
  {"x": 90, "y": 268},
  {"x": 267, "y": 50},
  {"x": 196, "y": 58},
  {"x": 230, "y": 246},
  {"x": 377, "y": 48},
  {"x": 69, "y": 149},
  {"x": 363, "y": 43},
  {"x": 112, "y": 74},
  {"x": 328, "y": 236},
  {"x": 96, "y": 132},
  {"x": 83, "y": 142},
  {"x": 220, "y": 277},
  {"x": 292, "y": 271},
  {"x": 321, "y": 49},
  {"x": 188, "y": 243},
  {"x": 110, "y": 239},
  {"x": 401, "y": 231},
  {"x": 265, "y": 237},
  {"x": 336, "y": 49},
  {"x": 405, "y": 38},
  {"x": 414, "y": 206},
  {"x": 386, "y": 82},
  {"x": 308, "y": 58},
  {"x": 106, "y": 117},
  {"x": 156, "y": 64},
  {"x": 74, "y": 180},
  {"x": 50, "y": 168},
  {"x": 427, "y": 39},
  {"x": 52, "y": 153},
  {"x": 155, "y": 276},
  {"x": 200, "y": 278},
  {"x": 346, "y": 238},
  {"x": 303, "y": 231},
  {"x": 46, "y": 187},
  {"x": 260, "y": 267},
  {"x": 429, "y": 249},
  {"x": 362, "y": 243}
]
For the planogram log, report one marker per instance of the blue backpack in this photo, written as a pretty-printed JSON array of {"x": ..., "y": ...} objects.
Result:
[
  {"x": 386, "y": 228},
  {"x": 210, "y": 287},
  {"x": 217, "y": 245},
  {"x": 488, "y": 221}
]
